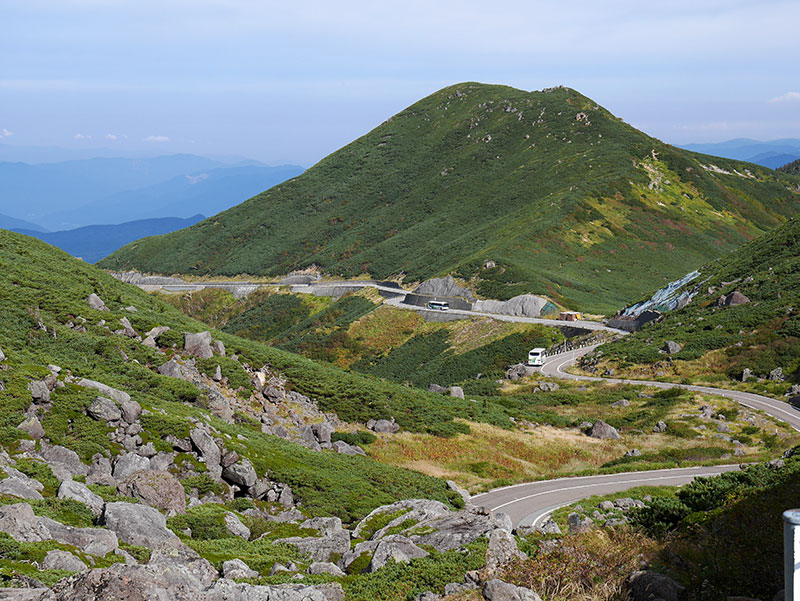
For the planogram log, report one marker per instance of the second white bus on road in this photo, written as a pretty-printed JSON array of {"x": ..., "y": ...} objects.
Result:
[
  {"x": 439, "y": 306},
  {"x": 536, "y": 356}
]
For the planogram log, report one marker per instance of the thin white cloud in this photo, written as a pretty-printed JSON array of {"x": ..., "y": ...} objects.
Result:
[
  {"x": 159, "y": 139},
  {"x": 788, "y": 97},
  {"x": 82, "y": 137},
  {"x": 112, "y": 137},
  {"x": 4, "y": 133}
]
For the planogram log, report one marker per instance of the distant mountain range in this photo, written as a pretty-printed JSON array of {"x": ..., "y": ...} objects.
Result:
[
  {"x": 10, "y": 223},
  {"x": 93, "y": 242},
  {"x": 70, "y": 194},
  {"x": 772, "y": 154},
  {"x": 515, "y": 192}
]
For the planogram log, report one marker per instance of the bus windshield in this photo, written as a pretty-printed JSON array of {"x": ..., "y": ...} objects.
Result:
[{"x": 438, "y": 305}]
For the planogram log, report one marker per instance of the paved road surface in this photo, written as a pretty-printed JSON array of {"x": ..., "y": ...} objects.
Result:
[{"x": 529, "y": 504}]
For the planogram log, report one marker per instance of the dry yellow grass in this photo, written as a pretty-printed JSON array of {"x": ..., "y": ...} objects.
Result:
[{"x": 489, "y": 453}]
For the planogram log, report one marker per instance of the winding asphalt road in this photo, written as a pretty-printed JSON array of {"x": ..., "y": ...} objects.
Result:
[{"x": 530, "y": 503}]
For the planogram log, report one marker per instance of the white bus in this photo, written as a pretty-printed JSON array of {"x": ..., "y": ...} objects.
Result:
[
  {"x": 438, "y": 306},
  {"x": 536, "y": 356}
]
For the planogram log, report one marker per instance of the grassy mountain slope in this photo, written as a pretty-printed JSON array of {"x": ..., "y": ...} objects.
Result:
[
  {"x": 720, "y": 342},
  {"x": 565, "y": 198},
  {"x": 792, "y": 168}
]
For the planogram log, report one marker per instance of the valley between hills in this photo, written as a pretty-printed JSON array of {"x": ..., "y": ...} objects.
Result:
[{"x": 265, "y": 406}]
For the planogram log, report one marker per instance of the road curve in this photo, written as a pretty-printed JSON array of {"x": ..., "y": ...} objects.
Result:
[
  {"x": 529, "y": 503},
  {"x": 555, "y": 367}
]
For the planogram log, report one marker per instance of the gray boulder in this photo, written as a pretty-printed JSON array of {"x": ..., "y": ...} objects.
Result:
[
  {"x": 104, "y": 409},
  {"x": 100, "y": 471},
  {"x": 633, "y": 453},
  {"x": 17, "y": 487},
  {"x": 131, "y": 410},
  {"x": 648, "y": 586},
  {"x": 219, "y": 348},
  {"x": 324, "y": 567},
  {"x": 129, "y": 463},
  {"x": 40, "y": 393},
  {"x": 65, "y": 459},
  {"x": 77, "y": 491},
  {"x": 235, "y": 526},
  {"x": 602, "y": 430},
  {"x": 501, "y": 550},
  {"x": 548, "y": 386},
  {"x": 127, "y": 328},
  {"x": 549, "y": 526},
  {"x": 33, "y": 427},
  {"x": 95, "y": 302},
  {"x": 776, "y": 375},
  {"x": 157, "y": 489},
  {"x": 208, "y": 450},
  {"x": 320, "y": 548},
  {"x": 384, "y": 426},
  {"x": 105, "y": 390},
  {"x": 457, "y": 391},
  {"x": 660, "y": 427},
  {"x": 62, "y": 560},
  {"x": 497, "y": 590},
  {"x": 621, "y": 403},
  {"x": 171, "y": 368},
  {"x": 94, "y": 541},
  {"x": 137, "y": 524},
  {"x": 344, "y": 448},
  {"x": 156, "y": 332},
  {"x": 733, "y": 299},
  {"x": 22, "y": 524},
  {"x": 241, "y": 473},
  {"x": 198, "y": 344},
  {"x": 671, "y": 347},
  {"x": 578, "y": 524},
  {"x": 394, "y": 548},
  {"x": 236, "y": 569},
  {"x": 436, "y": 388},
  {"x": 323, "y": 431}
]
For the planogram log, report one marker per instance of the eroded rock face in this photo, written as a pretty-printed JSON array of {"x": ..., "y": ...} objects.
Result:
[
  {"x": 137, "y": 524},
  {"x": 158, "y": 489}
]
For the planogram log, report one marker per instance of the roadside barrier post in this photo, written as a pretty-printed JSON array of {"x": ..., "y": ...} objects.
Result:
[{"x": 791, "y": 554}]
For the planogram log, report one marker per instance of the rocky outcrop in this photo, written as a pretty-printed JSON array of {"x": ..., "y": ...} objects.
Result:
[
  {"x": 383, "y": 426},
  {"x": 733, "y": 299},
  {"x": 129, "y": 463},
  {"x": 445, "y": 286},
  {"x": 105, "y": 390},
  {"x": 524, "y": 305},
  {"x": 394, "y": 548},
  {"x": 671, "y": 347},
  {"x": 208, "y": 450},
  {"x": 62, "y": 560},
  {"x": 63, "y": 459},
  {"x": 236, "y": 569},
  {"x": 17, "y": 487}
]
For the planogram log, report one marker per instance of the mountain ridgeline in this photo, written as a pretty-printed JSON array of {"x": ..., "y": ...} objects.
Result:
[{"x": 543, "y": 192}]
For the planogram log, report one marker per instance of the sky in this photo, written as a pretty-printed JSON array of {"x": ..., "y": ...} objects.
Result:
[{"x": 290, "y": 82}]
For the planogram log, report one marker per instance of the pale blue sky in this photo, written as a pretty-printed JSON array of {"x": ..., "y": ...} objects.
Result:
[{"x": 294, "y": 81}]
